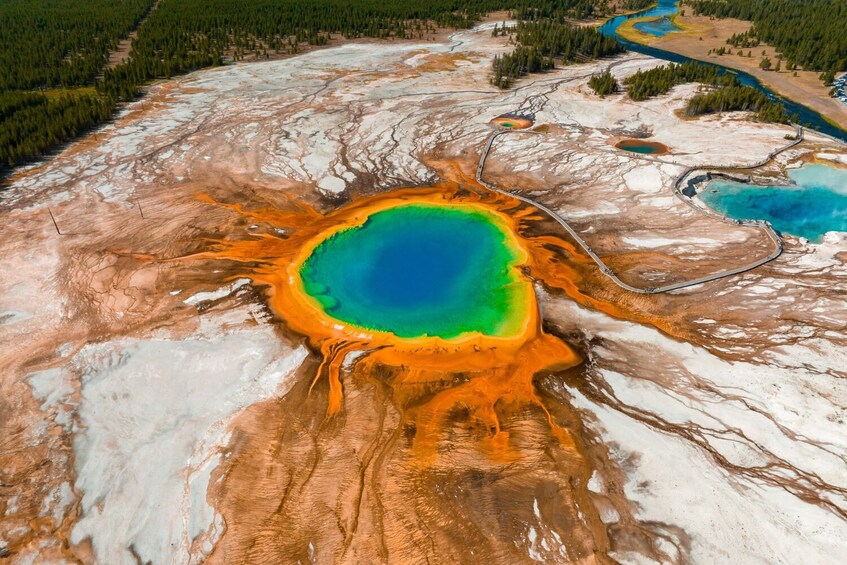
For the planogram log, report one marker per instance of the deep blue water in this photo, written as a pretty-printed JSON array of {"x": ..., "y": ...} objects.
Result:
[
  {"x": 659, "y": 27},
  {"x": 418, "y": 270},
  {"x": 661, "y": 9},
  {"x": 804, "y": 115},
  {"x": 816, "y": 204}
]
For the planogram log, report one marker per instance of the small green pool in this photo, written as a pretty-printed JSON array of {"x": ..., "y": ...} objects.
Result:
[{"x": 642, "y": 147}]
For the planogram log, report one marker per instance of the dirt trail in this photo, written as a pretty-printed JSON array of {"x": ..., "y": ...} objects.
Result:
[{"x": 121, "y": 53}]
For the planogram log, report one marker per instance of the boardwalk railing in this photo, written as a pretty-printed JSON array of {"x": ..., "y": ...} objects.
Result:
[{"x": 606, "y": 270}]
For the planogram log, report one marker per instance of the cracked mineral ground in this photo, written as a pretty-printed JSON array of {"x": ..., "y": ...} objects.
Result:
[{"x": 171, "y": 395}]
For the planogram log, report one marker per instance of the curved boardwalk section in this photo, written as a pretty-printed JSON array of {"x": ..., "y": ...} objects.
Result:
[{"x": 758, "y": 224}]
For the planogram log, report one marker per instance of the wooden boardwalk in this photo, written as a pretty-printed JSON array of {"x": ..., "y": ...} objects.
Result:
[{"x": 758, "y": 224}]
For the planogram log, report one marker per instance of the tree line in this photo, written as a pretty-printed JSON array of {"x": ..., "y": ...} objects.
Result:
[
  {"x": 727, "y": 93},
  {"x": 61, "y": 43},
  {"x": 184, "y": 35},
  {"x": 734, "y": 98},
  {"x": 51, "y": 53},
  {"x": 48, "y": 44},
  {"x": 809, "y": 34},
  {"x": 31, "y": 122},
  {"x": 560, "y": 11},
  {"x": 542, "y": 43},
  {"x": 659, "y": 80},
  {"x": 603, "y": 83},
  {"x": 636, "y": 5},
  {"x": 65, "y": 44}
]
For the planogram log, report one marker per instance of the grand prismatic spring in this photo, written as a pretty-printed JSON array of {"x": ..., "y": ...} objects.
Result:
[
  {"x": 387, "y": 277},
  {"x": 406, "y": 272},
  {"x": 453, "y": 353}
]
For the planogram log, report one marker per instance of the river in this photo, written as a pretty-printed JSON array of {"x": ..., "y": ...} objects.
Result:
[{"x": 805, "y": 116}]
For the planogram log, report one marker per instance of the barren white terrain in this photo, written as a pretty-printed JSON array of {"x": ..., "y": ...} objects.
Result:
[{"x": 718, "y": 418}]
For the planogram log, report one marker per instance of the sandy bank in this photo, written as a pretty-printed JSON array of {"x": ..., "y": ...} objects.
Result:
[{"x": 701, "y": 34}]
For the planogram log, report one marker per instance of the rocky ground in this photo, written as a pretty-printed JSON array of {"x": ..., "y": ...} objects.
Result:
[{"x": 713, "y": 418}]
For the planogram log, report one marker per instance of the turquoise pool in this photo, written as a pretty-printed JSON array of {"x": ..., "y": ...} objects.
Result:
[
  {"x": 641, "y": 146},
  {"x": 816, "y": 203}
]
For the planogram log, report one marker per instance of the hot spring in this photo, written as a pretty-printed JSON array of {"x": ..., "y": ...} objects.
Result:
[{"x": 422, "y": 270}]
